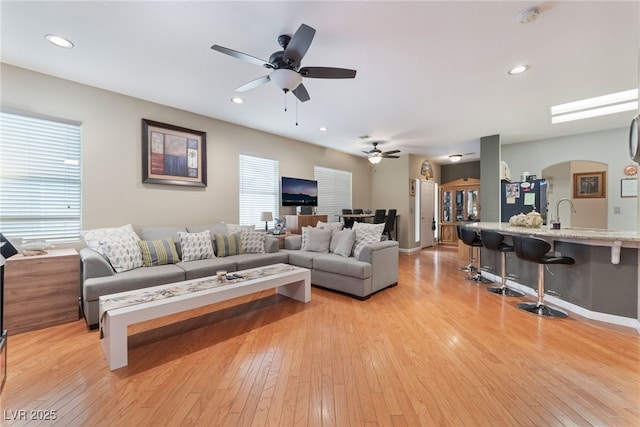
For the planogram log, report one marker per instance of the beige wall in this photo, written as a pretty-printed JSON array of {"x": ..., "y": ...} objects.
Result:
[{"x": 113, "y": 193}]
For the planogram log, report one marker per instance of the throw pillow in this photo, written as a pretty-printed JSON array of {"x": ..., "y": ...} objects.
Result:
[
  {"x": 235, "y": 228},
  {"x": 119, "y": 245},
  {"x": 305, "y": 236},
  {"x": 196, "y": 246},
  {"x": 228, "y": 244},
  {"x": 97, "y": 237},
  {"x": 158, "y": 252},
  {"x": 253, "y": 241},
  {"x": 123, "y": 255},
  {"x": 335, "y": 226},
  {"x": 318, "y": 240},
  {"x": 342, "y": 242},
  {"x": 365, "y": 235}
]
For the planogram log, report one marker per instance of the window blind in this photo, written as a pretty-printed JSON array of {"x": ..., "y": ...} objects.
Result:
[
  {"x": 259, "y": 189},
  {"x": 334, "y": 191},
  {"x": 40, "y": 178}
]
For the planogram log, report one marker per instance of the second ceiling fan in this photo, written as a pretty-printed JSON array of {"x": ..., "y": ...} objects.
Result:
[
  {"x": 285, "y": 64},
  {"x": 375, "y": 155}
]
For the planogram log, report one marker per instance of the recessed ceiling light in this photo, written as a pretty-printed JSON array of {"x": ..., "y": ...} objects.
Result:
[
  {"x": 237, "y": 100},
  {"x": 59, "y": 41},
  {"x": 323, "y": 128},
  {"x": 518, "y": 69}
]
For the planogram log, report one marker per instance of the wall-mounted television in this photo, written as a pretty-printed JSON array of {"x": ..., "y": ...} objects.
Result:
[{"x": 299, "y": 192}]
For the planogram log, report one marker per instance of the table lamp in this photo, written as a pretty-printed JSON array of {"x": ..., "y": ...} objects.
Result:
[{"x": 266, "y": 217}]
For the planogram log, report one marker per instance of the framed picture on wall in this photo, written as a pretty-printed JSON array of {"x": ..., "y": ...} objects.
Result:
[
  {"x": 629, "y": 187},
  {"x": 173, "y": 155},
  {"x": 589, "y": 185}
]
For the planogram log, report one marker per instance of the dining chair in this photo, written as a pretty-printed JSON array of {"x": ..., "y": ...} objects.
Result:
[
  {"x": 348, "y": 222},
  {"x": 378, "y": 216}
]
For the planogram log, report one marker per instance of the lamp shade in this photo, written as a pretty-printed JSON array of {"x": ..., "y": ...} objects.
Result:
[
  {"x": 285, "y": 79},
  {"x": 376, "y": 158},
  {"x": 266, "y": 216}
]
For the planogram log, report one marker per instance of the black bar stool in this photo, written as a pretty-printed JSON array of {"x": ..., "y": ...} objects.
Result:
[
  {"x": 535, "y": 250},
  {"x": 494, "y": 241},
  {"x": 469, "y": 267},
  {"x": 473, "y": 240}
]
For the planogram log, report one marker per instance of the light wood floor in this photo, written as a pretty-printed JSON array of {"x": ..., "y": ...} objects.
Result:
[{"x": 435, "y": 351}]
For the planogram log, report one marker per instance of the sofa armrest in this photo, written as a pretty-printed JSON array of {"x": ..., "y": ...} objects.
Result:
[
  {"x": 390, "y": 248},
  {"x": 383, "y": 257},
  {"x": 92, "y": 264},
  {"x": 271, "y": 245},
  {"x": 293, "y": 242}
]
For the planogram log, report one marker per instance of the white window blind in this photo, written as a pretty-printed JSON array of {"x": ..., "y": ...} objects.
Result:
[
  {"x": 40, "y": 178},
  {"x": 259, "y": 189},
  {"x": 334, "y": 191}
]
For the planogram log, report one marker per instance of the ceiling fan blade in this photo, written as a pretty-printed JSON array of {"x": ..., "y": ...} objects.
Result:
[
  {"x": 391, "y": 152},
  {"x": 327, "y": 73},
  {"x": 301, "y": 93},
  {"x": 390, "y": 157},
  {"x": 298, "y": 45},
  {"x": 242, "y": 56},
  {"x": 253, "y": 83}
]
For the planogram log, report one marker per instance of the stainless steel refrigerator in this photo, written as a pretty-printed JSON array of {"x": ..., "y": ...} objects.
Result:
[{"x": 523, "y": 197}]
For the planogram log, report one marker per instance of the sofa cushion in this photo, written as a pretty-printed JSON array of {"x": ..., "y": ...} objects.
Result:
[
  {"x": 246, "y": 261},
  {"x": 196, "y": 246},
  {"x": 317, "y": 239},
  {"x": 342, "y": 242},
  {"x": 158, "y": 252},
  {"x": 365, "y": 235},
  {"x": 214, "y": 229},
  {"x": 130, "y": 280},
  {"x": 301, "y": 258},
  {"x": 344, "y": 266},
  {"x": 253, "y": 241},
  {"x": 206, "y": 267},
  {"x": 228, "y": 244}
]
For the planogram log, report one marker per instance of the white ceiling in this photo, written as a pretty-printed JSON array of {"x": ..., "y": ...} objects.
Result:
[{"x": 432, "y": 76}]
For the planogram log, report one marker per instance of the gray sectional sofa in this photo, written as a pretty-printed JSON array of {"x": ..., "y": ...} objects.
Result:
[{"x": 374, "y": 269}]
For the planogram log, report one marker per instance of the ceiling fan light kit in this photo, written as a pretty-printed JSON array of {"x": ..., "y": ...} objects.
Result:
[
  {"x": 374, "y": 159},
  {"x": 287, "y": 80}
]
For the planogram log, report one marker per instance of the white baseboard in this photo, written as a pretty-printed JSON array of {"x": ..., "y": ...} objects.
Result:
[{"x": 581, "y": 311}]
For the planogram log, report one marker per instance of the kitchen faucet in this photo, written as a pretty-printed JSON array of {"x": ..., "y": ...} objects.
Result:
[{"x": 556, "y": 225}]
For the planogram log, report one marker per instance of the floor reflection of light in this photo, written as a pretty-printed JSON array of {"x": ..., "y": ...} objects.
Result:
[{"x": 453, "y": 341}]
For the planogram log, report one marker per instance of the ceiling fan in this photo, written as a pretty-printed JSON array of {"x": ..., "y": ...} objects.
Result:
[
  {"x": 375, "y": 155},
  {"x": 285, "y": 65}
]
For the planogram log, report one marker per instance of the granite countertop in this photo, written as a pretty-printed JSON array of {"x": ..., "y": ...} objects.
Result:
[{"x": 568, "y": 233}]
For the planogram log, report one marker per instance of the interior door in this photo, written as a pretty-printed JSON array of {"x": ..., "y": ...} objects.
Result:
[{"x": 427, "y": 212}]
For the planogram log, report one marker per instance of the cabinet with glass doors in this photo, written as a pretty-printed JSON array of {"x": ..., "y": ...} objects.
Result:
[{"x": 459, "y": 203}]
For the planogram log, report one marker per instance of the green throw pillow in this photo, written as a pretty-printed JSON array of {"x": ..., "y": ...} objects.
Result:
[
  {"x": 228, "y": 244},
  {"x": 158, "y": 252}
]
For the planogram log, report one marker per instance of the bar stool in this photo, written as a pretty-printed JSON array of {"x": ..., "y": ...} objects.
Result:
[
  {"x": 494, "y": 241},
  {"x": 473, "y": 240},
  {"x": 535, "y": 250},
  {"x": 469, "y": 267}
]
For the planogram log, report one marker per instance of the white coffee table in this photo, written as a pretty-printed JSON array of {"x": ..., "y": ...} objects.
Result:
[{"x": 120, "y": 310}]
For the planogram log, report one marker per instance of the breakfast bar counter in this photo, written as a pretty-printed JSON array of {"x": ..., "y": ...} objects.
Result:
[{"x": 603, "y": 283}]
